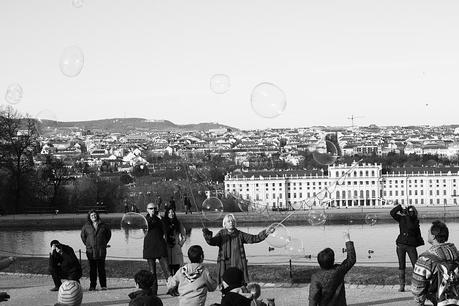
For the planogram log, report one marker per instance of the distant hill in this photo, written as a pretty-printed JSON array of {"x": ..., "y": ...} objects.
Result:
[{"x": 127, "y": 124}]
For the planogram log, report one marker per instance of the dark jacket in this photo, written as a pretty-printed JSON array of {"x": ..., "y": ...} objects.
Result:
[
  {"x": 154, "y": 245},
  {"x": 231, "y": 252},
  {"x": 96, "y": 240},
  {"x": 327, "y": 286},
  {"x": 65, "y": 265},
  {"x": 237, "y": 297},
  {"x": 144, "y": 298},
  {"x": 410, "y": 233}
]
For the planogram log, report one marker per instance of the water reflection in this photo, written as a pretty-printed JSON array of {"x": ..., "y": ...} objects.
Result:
[{"x": 379, "y": 238}]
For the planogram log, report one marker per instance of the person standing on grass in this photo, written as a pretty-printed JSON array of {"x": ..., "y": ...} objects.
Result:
[
  {"x": 95, "y": 235},
  {"x": 187, "y": 204},
  {"x": 327, "y": 285},
  {"x": 230, "y": 242},
  {"x": 175, "y": 238},
  {"x": 154, "y": 245},
  {"x": 63, "y": 264},
  {"x": 408, "y": 239}
]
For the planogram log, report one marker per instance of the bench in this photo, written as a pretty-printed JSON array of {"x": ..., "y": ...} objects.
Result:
[{"x": 84, "y": 209}]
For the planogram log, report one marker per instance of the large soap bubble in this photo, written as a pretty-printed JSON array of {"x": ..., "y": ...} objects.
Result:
[
  {"x": 268, "y": 100},
  {"x": 371, "y": 219},
  {"x": 295, "y": 248},
  {"x": 46, "y": 122},
  {"x": 317, "y": 217},
  {"x": 72, "y": 61},
  {"x": 78, "y": 3},
  {"x": 14, "y": 94},
  {"x": 220, "y": 83},
  {"x": 135, "y": 225},
  {"x": 325, "y": 152},
  {"x": 280, "y": 237},
  {"x": 212, "y": 208}
]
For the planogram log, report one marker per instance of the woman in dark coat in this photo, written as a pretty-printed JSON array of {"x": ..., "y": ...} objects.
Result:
[
  {"x": 95, "y": 234},
  {"x": 154, "y": 244},
  {"x": 408, "y": 239},
  {"x": 230, "y": 242}
]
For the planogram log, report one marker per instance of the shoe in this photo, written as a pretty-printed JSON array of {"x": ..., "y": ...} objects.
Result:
[
  {"x": 54, "y": 289},
  {"x": 104, "y": 288},
  {"x": 92, "y": 288}
]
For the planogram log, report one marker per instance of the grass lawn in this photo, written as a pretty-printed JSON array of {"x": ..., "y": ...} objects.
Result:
[{"x": 258, "y": 273}]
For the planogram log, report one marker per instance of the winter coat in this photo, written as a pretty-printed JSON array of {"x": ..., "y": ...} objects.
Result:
[
  {"x": 425, "y": 266},
  {"x": 410, "y": 232},
  {"x": 231, "y": 251},
  {"x": 193, "y": 281},
  {"x": 175, "y": 241},
  {"x": 144, "y": 297},
  {"x": 238, "y": 297},
  {"x": 154, "y": 245},
  {"x": 96, "y": 240},
  {"x": 66, "y": 265},
  {"x": 327, "y": 286}
]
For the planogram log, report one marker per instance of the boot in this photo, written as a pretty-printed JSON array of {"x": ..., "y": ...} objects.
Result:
[{"x": 401, "y": 278}]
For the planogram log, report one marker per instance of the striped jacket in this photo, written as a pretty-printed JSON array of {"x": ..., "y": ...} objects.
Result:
[{"x": 425, "y": 268}]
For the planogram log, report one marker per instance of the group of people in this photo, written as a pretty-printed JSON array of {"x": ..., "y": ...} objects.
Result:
[{"x": 435, "y": 272}]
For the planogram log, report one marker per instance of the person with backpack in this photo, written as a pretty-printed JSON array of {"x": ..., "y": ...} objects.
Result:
[
  {"x": 436, "y": 272},
  {"x": 408, "y": 239}
]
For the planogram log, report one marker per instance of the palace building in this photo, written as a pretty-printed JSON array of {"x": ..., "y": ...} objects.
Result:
[{"x": 354, "y": 185}]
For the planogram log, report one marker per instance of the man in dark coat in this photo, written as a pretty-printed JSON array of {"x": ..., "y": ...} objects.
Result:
[
  {"x": 154, "y": 244},
  {"x": 95, "y": 234},
  {"x": 187, "y": 204},
  {"x": 327, "y": 285},
  {"x": 63, "y": 264}
]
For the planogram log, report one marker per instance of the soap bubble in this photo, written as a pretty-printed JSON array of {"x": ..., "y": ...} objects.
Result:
[
  {"x": 325, "y": 152},
  {"x": 77, "y": 3},
  {"x": 72, "y": 61},
  {"x": 317, "y": 217},
  {"x": 371, "y": 219},
  {"x": 280, "y": 237},
  {"x": 268, "y": 100},
  {"x": 135, "y": 225},
  {"x": 46, "y": 122},
  {"x": 220, "y": 83},
  {"x": 14, "y": 94},
  {"x": 212, "y": 208},
  {"x": 295, "y": 248}
]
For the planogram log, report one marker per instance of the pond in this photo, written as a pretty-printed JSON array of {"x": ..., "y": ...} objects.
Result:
[{"x": 375, "y": 245}]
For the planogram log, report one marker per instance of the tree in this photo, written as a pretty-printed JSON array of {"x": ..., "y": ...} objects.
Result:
[
  {"x": 18, "y": 142},
  {"x": 55, "y": 174}
]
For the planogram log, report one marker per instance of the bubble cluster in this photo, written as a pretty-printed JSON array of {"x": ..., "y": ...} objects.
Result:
[
  {"x": 371, "y": 219},
  {"x": 317, "y": 217},
  {"x": 14, "y": 94},
  {"x": 72, "y": 61},
  {"x": 78, "y": 3},
  {"x": 212, "y": 208},
  {"x": 325, "y": 152},
  {"x": 135, "y": 225},
  {"x": 268, "y": 100},
  {"x": 280, "y": 237},
  {"x": 220, "y": 83}
]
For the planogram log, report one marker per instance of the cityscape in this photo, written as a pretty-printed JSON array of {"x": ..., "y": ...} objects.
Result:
[{"x": 285, "y": 169}]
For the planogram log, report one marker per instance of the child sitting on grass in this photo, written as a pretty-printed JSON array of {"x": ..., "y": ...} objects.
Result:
[
  {"x": 193, "y": 280},
  {"x": 144, "y": 280},
  {"x": 255, "y": 290}
]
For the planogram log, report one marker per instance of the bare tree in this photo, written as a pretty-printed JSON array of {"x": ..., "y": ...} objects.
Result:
[{"x": 18, "y": 143}]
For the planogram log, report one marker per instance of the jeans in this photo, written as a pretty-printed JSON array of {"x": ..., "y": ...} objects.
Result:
[
  {"x": 402, "y": 249},
  {"x": 164, "y": 267}
]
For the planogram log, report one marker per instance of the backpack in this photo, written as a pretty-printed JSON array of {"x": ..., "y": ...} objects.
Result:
[{"x": 443, "y": 289}]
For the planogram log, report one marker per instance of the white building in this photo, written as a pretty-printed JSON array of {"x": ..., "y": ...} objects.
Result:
[{"x": 347, "y": 186}]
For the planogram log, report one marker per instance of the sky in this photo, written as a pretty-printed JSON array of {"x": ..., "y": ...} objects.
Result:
[{"x": 392, "y": 62}]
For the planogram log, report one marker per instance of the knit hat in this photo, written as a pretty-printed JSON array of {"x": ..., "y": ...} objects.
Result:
[
  {"x": 70, "y": 293},
  {"x": 234, "y": 277}
]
